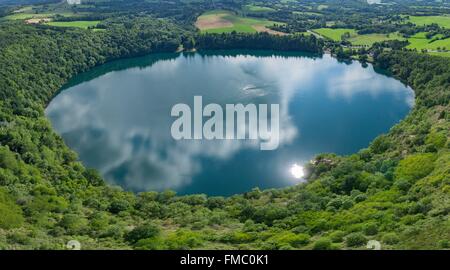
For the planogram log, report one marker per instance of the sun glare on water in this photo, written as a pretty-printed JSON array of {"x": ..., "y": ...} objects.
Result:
[{"x": 297, "y": 171}]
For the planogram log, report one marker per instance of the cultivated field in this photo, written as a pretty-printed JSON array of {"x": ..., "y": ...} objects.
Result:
[
  {"x": 26, "y": 16},
  {"x": 443, "y": 21},
  {"x": 370, "y": 39},
  {"x": 79, "y": 24},
  {"x": 254, "y": 8},
  {"x": 334, "y": 34},
  {"x": 225, "y": 21},
  {"x": 420, "y": 42}
]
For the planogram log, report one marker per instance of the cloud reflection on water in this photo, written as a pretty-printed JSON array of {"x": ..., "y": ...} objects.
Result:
[{"x": 120, "y": 122}]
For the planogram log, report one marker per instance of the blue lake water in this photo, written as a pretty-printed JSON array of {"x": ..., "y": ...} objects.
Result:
[{"x": 117, "y": 117}]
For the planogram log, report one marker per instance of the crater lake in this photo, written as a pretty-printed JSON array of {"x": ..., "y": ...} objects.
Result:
[{"x": 117, "y": 117}]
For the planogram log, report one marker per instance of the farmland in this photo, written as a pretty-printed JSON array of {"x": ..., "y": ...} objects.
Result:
[
  {"x": 420, "y": 42},
  {"x": 225, "y": 21},
  {"x": 443, "y": 21},
  {"x": 254, "y": 8},
  {"x": 334, "y": 34},
  {"x": 370, "y": 39},
  {"x": 25, "y": 16},
  {"x": 79, "y": 24}
]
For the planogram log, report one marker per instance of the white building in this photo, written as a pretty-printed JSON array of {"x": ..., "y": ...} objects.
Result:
[{"x": 74, "y": 2}]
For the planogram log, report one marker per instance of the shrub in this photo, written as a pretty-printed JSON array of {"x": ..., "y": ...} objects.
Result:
[
  {"x": 370, "y": 228},
  {"x": 444, "y": 243},
  {"x": 390, "y": 238},
  {"x": 292, "y": 239},
  {"x": 8, "y": 159},
  {"x": 437, "y": 139},
  {"x": 380, "y": 144},
  {"x": 237, "y": 237},
  {"x": 355, "y": 239},
  {"x": 415, "y": 167},
  {"x": 215, "y": 202},
  {"x": 142, "y": 232},
  {"x": 183, "y": 240},
  {"x": 154, "y": 243},
  {"x": 10, "y": 213},
  {"x": 322, "y": 244},
  {"x": 337, "y": 236},
  {"x": 118, "y": 206},
  {"x": 73, "y": 223},
  {"x": 93, "y": 177}
]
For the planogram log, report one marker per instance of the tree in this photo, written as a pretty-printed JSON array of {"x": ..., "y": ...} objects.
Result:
[
  {"x": 355, "y": 239},
  {"x": 142, "y": 232}
]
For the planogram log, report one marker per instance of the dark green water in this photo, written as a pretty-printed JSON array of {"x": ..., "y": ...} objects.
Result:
[{"x": 117, "y": 117}]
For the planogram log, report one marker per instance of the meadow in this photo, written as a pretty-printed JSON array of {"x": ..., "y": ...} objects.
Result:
[
  {"x": 220, "y": 21},
  {"x": 254, "y": 8},
  {"x": 370, "y": 39},
  {"x": 334, "y": 34},
  {"x": 420, "y": 42},
  {"x": 25, "y": 16},
  {"x": 79, "y": 24},
  {"x": 443, "y": 21}
]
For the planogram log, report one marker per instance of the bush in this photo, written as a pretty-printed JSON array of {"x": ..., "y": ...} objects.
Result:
[
  {"x": 142, "y": 232},
  {"x": 370, "y": 229},
  {"x": 444, "y": 243},
  {"x": 322, "y": 244},
  {"x": 237, "y": 237},
  {"x": 93, "y": 177},
  {"x": 337, "y": 236},
  {"x": 391, "y": 238},
  {"x": 154, "y": 243},
  {"x": 292, "y": 239},
  {"x": 183, "y": 240},
  {"x": 118, "y": 206},
  {"x": 415, "y": 167},
  {"x": 437, "y": 139},
  {"x": 10, "y": 213},
  {"x": 380, "y": 144},
  {"x": 73, "y": 223},
  {"x": 355, "y": 240},
  {"x": 8, "y": 159}
]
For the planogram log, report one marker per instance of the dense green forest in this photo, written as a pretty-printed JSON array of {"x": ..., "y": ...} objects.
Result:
[{"x": 396, "y": 191}]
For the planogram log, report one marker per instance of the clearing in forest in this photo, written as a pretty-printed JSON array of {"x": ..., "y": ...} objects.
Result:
[{"x": 220, "y": 21}]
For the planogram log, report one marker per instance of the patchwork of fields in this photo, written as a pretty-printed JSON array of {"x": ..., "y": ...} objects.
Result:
[
  {"x": 31, "y": 17},
  {"x": 225, "y": 21},
  {"x": 222, "y": 21}
]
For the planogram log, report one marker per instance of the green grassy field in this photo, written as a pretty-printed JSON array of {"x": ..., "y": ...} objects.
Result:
[
  {"x": 443, "y": 21},
  {"x": 419, "y": 42},
  {"x": 30, "y": 14},
  {"x": 25, "y": 16},
  {"x": 334, "y": 34},
  {"x": 254, "y": 8},
  {"x": 370, "y": 39},
  {"x": 79, "y": 24},
  {"x": 224, "y": 22}
]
